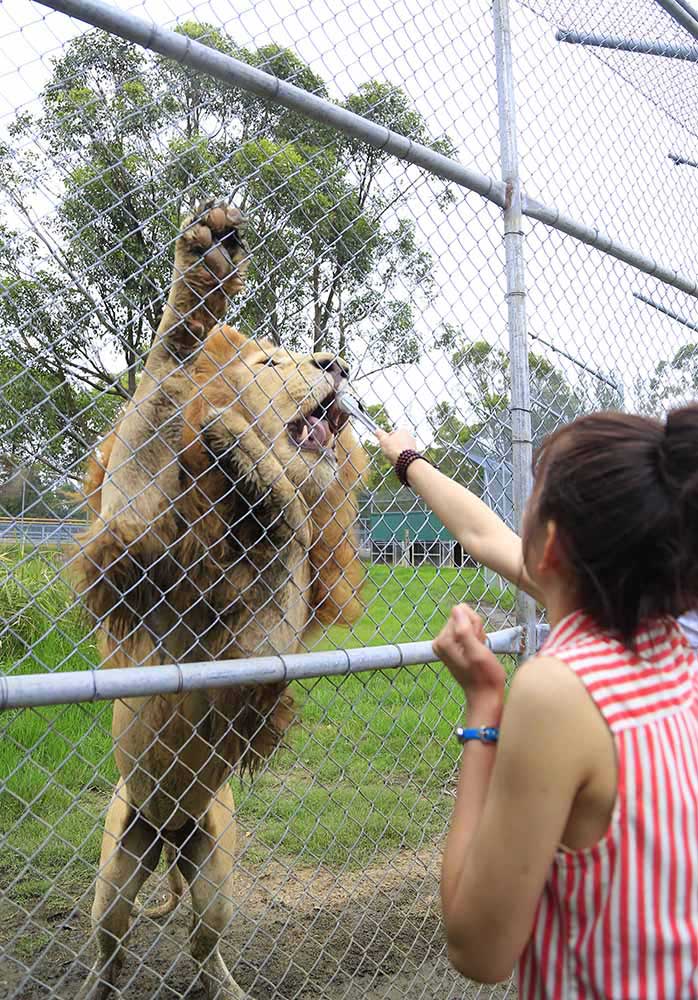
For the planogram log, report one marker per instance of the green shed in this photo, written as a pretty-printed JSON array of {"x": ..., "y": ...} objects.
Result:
[{"x": 398, "y": 528}]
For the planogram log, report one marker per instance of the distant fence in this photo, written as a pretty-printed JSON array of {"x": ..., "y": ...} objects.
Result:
[{"x": 39, "y": 531}]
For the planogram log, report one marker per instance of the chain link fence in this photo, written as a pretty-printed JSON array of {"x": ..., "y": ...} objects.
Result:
[{"x": 186, "y": 504}]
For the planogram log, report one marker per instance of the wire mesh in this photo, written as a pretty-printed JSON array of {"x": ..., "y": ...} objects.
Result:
[{"x": 220, "y": 525}]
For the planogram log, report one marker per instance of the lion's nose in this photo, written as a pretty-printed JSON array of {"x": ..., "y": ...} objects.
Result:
[{"x": 332, "y": 364}]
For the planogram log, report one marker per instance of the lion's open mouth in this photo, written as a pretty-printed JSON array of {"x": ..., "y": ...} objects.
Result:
[{"x": 317, "y": 430}]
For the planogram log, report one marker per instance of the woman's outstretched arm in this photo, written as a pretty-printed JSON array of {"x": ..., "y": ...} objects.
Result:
[{"x": 483, "y": 535}]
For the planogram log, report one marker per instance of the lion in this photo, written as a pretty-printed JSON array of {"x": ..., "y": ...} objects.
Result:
[{"x": 222, "y": 526}]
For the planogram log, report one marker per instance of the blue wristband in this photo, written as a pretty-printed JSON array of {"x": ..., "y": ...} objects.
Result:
[{"x": 485, "y": 734}]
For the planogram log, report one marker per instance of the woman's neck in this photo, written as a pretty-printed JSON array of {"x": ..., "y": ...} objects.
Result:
[{"x": 560, "y": 601}]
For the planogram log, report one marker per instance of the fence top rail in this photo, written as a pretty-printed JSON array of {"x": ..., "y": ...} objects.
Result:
[
  {"x": 233, "y": 72},
  {"x": 50, "y": 522},
  {"x": 34, "y": 690},
  {"x": 634, "y": 45}
]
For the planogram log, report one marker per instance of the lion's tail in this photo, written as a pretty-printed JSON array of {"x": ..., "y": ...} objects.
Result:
[{"x": 175, "y": 883}]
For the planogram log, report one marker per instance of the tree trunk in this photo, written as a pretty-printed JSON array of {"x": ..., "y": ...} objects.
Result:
[
  {"x": 342, "y": 346},
  {"x": 318, "y": 332},
  {"x": 274, "y": 321},
  {"x": 131, "y": 354}
]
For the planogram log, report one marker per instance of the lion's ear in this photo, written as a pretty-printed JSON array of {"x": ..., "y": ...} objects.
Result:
[
  {"x": 223, "y": 345},
  {"x": 233, "y": 336}
]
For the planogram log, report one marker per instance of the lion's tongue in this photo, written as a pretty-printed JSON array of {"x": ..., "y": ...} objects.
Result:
[{"x": 318, "y": 432}]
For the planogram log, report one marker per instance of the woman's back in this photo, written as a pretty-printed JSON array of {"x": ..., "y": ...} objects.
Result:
[{"x": 620, "y": 919}]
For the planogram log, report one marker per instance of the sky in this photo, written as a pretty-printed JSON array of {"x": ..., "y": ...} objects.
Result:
[{"x": 590, "y": 143}]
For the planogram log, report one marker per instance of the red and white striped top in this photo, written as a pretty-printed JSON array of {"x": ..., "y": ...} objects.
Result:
[{"x": 620, "y": 920}]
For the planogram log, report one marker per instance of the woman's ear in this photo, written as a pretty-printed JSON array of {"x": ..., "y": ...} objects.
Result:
[{"x": 551, "y": 557}]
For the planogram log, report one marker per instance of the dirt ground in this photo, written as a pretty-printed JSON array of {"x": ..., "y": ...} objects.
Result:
[{"x": 300, "y": 934}]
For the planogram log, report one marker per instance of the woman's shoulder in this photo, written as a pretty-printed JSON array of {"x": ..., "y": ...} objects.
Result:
[
  {"x": 545, "y": 683},
  {"x": 628, "y": 686},
  {"x": 659, "y": 643},
  {"x": 577, "y": 635}
]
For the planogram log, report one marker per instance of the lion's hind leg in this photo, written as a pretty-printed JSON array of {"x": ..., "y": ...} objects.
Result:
[
  {"x": 130, "y": 853},
  {"x": 206, "y": 861},
  {"x": 175, "y": 887}
]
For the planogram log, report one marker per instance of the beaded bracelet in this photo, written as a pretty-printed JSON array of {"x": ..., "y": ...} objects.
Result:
[{"x": 405, "y": 459}]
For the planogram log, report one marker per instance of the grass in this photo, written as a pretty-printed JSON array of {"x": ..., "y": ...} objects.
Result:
[
  {"x": 404, "y": 604},
  {"x": 366, "y": 770}
]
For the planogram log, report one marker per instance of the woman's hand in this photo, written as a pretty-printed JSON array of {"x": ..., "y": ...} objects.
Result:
[
  {"x": 461, "y": 646},
  {"x": 395, "y": 443}
]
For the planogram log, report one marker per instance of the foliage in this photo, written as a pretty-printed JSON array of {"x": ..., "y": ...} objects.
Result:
[
  {"x": 381, "y": 469},
  {"x": 449, "y": 449},
  {"x": 484, "y": 376},
  {"x": 673, "y": 380},
  {"x": 47, "y": 423},
  {"x": 131, "y": 140}
]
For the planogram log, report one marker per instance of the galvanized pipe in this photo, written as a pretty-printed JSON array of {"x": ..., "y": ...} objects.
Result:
[
  {"x": 238, "y": 74},
  {"x": 667, "y": 312},
  {"x": 580, "y": 364},
  {"x": 689, "y": 8},
  {"x": 235, "y": 73},
  {"x": 635, "y": 45},
  {"x": 681, "y": 161},
  {"x": 683, "y": 13},
  {"x": 34, "y": 690},
  {"x": 595, "y": 238},
  {"x": 521, "y": 434}
]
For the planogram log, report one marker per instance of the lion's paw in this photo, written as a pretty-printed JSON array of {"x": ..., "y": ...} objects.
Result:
[
  {"x": 214, "y": 221},
  {"x": 210, "y": 265}
]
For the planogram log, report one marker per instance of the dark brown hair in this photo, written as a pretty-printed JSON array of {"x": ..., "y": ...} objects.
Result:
[{"x": 623, "y": 492}]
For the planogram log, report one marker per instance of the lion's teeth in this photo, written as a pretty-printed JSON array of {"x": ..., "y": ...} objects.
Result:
[{"x": 304, "y": 432}]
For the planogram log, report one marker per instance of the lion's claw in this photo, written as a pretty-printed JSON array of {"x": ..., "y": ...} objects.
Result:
[
  {"x": 215, "y": 221},
  {"x": 213, "y": 235}
]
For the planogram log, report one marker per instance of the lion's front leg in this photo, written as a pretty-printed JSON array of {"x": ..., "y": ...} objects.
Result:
[
  {"x": 209, "y": 269},
  {"x": 141, "y": 482},
  {"x": 143, "y": 472},
  {"x": 252, "y": 472}
]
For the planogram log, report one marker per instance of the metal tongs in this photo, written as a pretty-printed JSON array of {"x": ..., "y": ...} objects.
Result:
[{"x": 351, "y": 405}]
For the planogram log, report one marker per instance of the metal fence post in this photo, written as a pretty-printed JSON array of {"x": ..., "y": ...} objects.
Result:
[{"x": 521, "y": 437}]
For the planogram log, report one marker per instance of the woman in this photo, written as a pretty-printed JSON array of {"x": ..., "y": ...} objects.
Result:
[{"x": 573, "y": 849}]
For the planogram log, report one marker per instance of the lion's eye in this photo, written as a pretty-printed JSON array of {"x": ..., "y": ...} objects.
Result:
[{"x": 270, "y": 361}]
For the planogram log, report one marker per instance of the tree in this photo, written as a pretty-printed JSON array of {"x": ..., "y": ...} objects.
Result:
[
  {"x": 53, "y": 403},
  {"x": 449, "y": 448},
  {"x": 47, "y": 422},
  {"x": 380, "y": 467},
  {"x": 23, "y": 492},
  {"x": 673, "y": 380},
  {"x": 131, "y": 140},
  {"x": 485, "y": 381}
]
